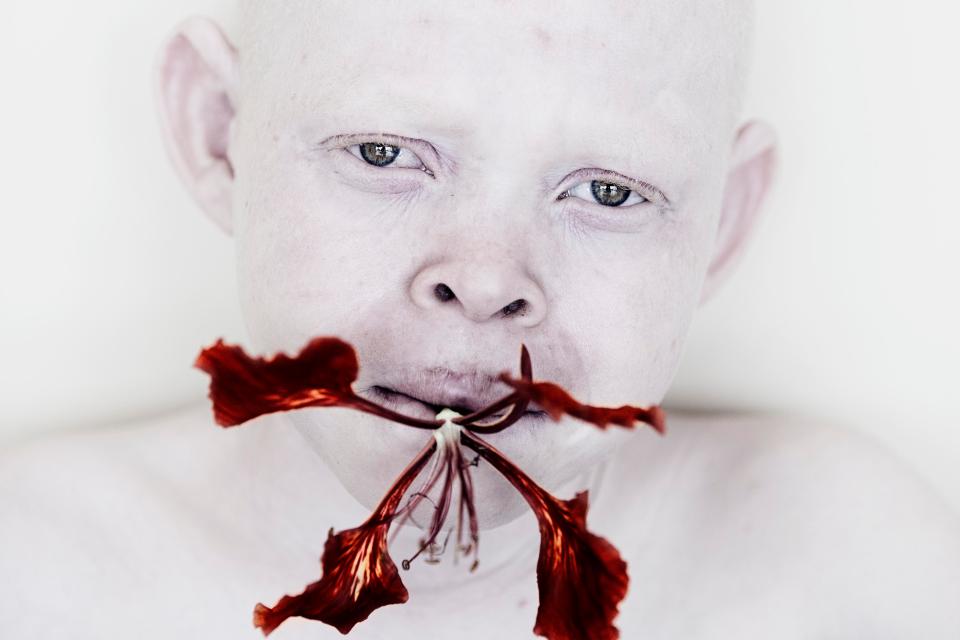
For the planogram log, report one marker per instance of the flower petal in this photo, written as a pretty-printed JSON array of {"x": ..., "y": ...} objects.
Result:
[
  {"x": 321, "y": 375},
  {"x": 243, "y": 388},
  {"x": 555, "y": 401},
  {"x": 581, "y": 577},
  {"x": 358, "y": 574}
]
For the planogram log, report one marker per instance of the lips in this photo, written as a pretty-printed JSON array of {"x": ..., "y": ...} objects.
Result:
[
  {"x": 439, "y": 388},
  {"x": 464, "y": 408}
]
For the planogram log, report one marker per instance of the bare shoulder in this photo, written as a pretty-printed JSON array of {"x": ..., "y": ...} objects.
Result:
[
  {"x": 147, "y": 480},
  {"x": 110, "y": 467},
  {"x": 856, "y": 534},
  {"x": 98, "y": 528}
]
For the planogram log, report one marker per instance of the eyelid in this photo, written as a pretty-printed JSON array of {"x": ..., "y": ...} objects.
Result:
[{"x": 642, "y": 187}]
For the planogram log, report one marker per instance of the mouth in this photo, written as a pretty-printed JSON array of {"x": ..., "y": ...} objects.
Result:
[{"x": 400, "y": 400}]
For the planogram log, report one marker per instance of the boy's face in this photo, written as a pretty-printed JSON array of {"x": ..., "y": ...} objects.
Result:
[{"x": 441, "y": 184}]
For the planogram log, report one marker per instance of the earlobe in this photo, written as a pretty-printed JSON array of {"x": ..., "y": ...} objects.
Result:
[
  {"x": 195, "y": 78},
  {"x": 752, "y": 165}
]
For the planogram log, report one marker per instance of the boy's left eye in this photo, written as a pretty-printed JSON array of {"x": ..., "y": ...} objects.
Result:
[
  {"x": 379, "y": 154},
  {"x": 608, "y": 194}
]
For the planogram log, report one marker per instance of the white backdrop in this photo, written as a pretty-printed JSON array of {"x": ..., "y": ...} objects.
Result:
[{"x": 845, "y": 308}]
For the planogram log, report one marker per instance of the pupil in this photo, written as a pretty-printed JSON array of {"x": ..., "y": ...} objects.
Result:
[
  {"x": 379, "y": 155},
  {"x": 608, "y": 193}
]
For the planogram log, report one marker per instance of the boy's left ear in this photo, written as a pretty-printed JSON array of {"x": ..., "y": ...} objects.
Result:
[{"x": 752, "y": 165}]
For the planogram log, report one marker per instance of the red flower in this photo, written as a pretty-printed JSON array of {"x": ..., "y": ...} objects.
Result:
[{"x": 581, "y": 577}]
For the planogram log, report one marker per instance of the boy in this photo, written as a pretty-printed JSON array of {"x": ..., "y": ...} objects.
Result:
[{"x": 436, "y": 185}]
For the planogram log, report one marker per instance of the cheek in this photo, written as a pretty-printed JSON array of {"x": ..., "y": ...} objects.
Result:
[
  {"x": 635, "y": 313},
  {"x": 311, "y": 255},
  {"x": 301, "y": 273}
]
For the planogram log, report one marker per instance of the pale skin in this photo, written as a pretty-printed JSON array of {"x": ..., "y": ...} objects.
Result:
[{"x": 732, "y": 526}]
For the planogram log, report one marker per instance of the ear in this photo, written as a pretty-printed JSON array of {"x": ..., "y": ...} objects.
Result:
[
  {"x": 195, "y": 80},
  {"x": 753, "y": 161}
]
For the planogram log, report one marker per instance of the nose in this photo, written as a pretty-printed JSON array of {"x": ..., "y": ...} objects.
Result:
[{"x": 481, "y": 290}]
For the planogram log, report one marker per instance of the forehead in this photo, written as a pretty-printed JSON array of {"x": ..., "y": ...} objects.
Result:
[{"x": 603, "y": 70}]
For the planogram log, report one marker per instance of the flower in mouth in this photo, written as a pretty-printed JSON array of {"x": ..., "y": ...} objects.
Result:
[{"x": 580, "y": 576}]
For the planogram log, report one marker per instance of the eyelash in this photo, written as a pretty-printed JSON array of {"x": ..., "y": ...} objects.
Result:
[{"x": 647, "y": 193}]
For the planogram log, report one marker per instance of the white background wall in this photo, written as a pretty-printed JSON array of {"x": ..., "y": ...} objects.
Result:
[{"x": 845, "y": 309}]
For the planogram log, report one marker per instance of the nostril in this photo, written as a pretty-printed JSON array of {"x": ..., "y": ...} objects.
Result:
[
  {"x": 443, "y": 292},
  {"x": 514, "y": 307}
]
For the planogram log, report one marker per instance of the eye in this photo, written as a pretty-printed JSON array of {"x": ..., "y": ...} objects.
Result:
[
  {"x": 608, "y": 194},
  {"x": 381, "y": 154}
]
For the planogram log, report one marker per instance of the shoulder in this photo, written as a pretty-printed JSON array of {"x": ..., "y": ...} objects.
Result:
[
  {"x": 97, "y": 528},
  {"x": 867, "y": 544},
  {"x": 79, "y": 474}
]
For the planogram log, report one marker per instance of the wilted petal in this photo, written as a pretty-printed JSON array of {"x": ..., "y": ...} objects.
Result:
[
  {"x": 358, "y": 573},
  {"x": 581, "y": 577},
  {"x": 321, "y": 375},
  {"x": 555, "y": 401},
  {"x": 243, "y": 388}
]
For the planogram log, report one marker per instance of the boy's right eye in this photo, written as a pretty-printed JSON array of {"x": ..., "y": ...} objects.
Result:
[{"x": 380, "y": 154}]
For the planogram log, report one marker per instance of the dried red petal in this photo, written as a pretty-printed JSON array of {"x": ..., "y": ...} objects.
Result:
[
  {"x": 243, "y": 388},
  {"x": 581, "y": 577},
  {"x": 556, "y": 402},
  {"x": 358, "y": 574},
  {"x": 321, "y": 375}
]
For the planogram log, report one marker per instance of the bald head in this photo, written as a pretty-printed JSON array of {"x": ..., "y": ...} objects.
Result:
[{"x": 687, "y": 55}]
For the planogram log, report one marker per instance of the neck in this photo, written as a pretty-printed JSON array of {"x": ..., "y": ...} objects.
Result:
[{"x": 304, "y": 500}]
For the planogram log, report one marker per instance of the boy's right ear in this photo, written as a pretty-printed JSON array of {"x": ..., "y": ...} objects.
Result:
[{"x": 195, "y": 80}]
